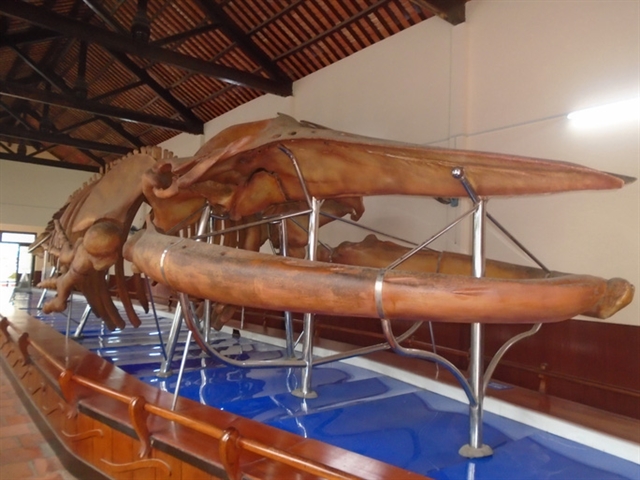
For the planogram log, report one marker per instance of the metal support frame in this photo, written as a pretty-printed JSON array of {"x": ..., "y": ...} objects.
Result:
[
  {"x": 172, "y": 342},
  {"x": 176, "y": 325},
  {"x": 204, "y": 232},
  {"x": 288, "y": 317},
  {"x": 474, "y": 387},
  {"x": 476, "y": 448},
  {"x": 192, "y": 321},
  {"x": 291, "y": 361}
]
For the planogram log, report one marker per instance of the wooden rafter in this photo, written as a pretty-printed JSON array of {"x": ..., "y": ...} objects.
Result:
[
  {"x": 12, "y": 89},
  {"x": 15, "y": 157},
  {"x": 52, "y": 21},
  {"x": 60, "y": 139},
  {"x": 236, "y": 35}
]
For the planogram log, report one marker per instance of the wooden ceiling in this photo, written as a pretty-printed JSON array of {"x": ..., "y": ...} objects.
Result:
[{"x": 90, "y": 80}]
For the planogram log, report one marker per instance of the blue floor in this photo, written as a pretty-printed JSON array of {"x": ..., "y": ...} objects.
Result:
[{"x": 356, "y": 409}]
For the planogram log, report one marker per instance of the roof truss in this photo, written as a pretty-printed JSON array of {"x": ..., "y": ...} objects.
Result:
[{"x": 87, "y": 80}]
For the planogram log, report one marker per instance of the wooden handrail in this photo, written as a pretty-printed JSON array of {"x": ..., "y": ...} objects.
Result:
[{"x": 232, "y": 442}]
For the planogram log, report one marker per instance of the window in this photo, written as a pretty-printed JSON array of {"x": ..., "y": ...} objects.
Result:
[
  {"x": 15, "y": 237},
  {"x": 16, "y": 262}
]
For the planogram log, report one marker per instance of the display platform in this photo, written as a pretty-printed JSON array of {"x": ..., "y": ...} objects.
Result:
[{"x": 357, "y": 409}]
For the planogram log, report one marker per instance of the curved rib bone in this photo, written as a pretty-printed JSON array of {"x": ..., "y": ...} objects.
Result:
[
  {"x": 238, "y": 277},
  {"x": 375, "y": 253}
]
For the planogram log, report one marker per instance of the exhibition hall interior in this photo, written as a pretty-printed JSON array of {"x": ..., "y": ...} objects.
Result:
[{"x": 319, "y": 239}]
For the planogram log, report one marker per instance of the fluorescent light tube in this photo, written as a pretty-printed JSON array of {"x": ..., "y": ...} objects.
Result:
[{"x": 607, "y": 114}]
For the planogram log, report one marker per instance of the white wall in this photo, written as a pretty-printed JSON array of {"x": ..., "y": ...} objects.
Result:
[
  {"x": 31, "y": 194},
  {"x": 503, "y": 81},
  {"x": 184, "y": 144},
  {"x": 531, "y": 63}
]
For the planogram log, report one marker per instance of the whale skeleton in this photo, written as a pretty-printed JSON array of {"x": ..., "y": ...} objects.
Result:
[
  {"x": 277, "y": 166},
  {"x": 253, "y": 169}
]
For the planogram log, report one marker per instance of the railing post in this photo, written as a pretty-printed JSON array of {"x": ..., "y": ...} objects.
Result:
[
  {"x": 230, "y": 453},
  {"x": 138, "y": 416},
  {"x": 65, "y": 380}
]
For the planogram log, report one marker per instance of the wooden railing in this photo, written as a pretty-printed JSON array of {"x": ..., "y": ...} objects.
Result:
[{"x": 231, "y": 442}]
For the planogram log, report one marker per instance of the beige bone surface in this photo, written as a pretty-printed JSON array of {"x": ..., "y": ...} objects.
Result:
[
  {"x": 248, "y": 170},
  {"x": 240, "y": 277},
  {"x": 375, "y": 253},
  {"x": 87, "y": 234}
]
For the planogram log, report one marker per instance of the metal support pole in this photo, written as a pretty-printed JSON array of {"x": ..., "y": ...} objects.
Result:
[
  {"x": 305, "y": 390},
  {"x": 46, "y": 276},
  {"x": 69, "y": 309},
  {"x": 83, "y": 322},
  {"x": 475, "y": 448},
  {"x": 174, "y": 333},
  {"x": 155, "y": 316},
  {"x": 45, "y": 264},
  {"x": 204, "y": 227},
  {"x": 183, "y": 363},
  {"x": 288, "y": 318}
]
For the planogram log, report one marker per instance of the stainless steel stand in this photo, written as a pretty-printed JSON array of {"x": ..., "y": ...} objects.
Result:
[
  {"x": 305, "y": 390},
  {"x": 176, "y": 325},
  {"x": 155, "y": 317},
  {"x": 288, "y": 317},
  {"x": 45, "y": 290},
  {"x": 83, "y": 321},
  {"x": 474, "y": 387},
  {"x": 69, "y": 309},
  {"x": 476, "y": 448},
  {"x": 172, "y": 342}
]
